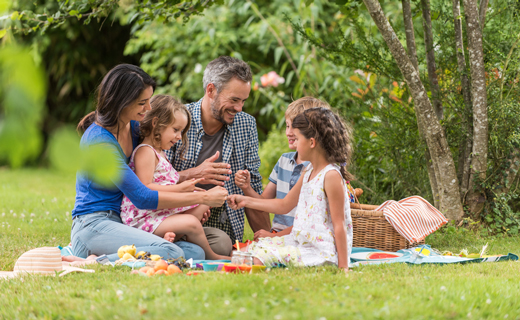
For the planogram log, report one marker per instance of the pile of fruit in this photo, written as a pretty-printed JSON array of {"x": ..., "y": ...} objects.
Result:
[
  {"x": 127, "y": 253},
  {"x": 161, "y": 268},
  {"x": 155, "y": 264}
]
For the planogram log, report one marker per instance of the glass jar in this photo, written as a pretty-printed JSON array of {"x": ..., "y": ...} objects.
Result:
[
  {"x": 248, "y": 259},
  {"x": 237, "y": 258}
]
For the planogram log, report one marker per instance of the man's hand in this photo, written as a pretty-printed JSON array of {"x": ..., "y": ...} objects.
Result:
[
  {"x": 243, "y": 179},
  {"x": 263, "y": 234},
  {"x": 213, "y": 173}
]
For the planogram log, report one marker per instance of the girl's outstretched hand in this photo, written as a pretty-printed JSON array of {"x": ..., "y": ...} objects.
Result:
[
  {"x": 215, "y": 197},
  {"x": 243, "y": 179},
  {"x": 189, "y": 185},
  {"x": 236, "y": 201}
]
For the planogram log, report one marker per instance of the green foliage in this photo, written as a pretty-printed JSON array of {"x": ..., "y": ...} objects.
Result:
[
  {"x": 176, "y": 54},
  {"x": 99, "y": 160},
  {"x": 22, "y": 93},
  {"x": 28, "y": 20}
]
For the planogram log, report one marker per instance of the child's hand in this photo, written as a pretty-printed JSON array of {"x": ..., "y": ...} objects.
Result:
[
  {"x": 236, "y": 201},
  {"x": 243, "y": 179},
  {"x": 263, "y": 234},
  {"x": 205, "y": 216},
  {"x": 189, "y": 185}
]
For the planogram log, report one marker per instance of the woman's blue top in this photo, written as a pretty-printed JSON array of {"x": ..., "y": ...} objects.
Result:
[{"x": 93, "y": 197}]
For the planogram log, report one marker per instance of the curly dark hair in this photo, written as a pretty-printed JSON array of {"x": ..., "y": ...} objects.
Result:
[
  {"x": 332, "y": 134},
  {"x": 163, "y": 109}
]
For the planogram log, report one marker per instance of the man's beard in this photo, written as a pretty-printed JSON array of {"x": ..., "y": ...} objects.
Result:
[{"x": 217, "y": 112}]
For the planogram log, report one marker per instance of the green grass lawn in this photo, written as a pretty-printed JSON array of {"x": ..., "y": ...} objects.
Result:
[{"x": 35, "y": 210}]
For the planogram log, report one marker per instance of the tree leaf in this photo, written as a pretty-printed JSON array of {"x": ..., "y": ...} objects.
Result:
[{"x": 277, "y": 54}]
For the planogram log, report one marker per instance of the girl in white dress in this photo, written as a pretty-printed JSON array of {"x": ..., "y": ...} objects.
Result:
[{"x": 322, "y": 231}]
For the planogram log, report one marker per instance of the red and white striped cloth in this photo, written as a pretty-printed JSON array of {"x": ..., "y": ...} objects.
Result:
[{"x": 413, "y": 218}]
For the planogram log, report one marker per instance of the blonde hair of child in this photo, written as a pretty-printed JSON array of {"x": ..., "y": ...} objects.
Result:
[
  {"x": 163, "y": 110},
  {"x": 298, "y": 106}
]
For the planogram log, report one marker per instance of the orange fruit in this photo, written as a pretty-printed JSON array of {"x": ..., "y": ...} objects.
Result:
[
  {"x": 161, "y": 272},
  {"x": 144, "y": 269},
  {"x": 173, "y": 269},
  {"x": 150, "y": 272},
  {"x": 161, "y": 265}
]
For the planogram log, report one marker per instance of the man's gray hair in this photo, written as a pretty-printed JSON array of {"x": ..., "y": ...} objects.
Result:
[{"x": 221, "y": 70}]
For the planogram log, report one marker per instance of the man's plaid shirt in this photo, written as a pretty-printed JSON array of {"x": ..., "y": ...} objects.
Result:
[{"x": 239, "y": 149}]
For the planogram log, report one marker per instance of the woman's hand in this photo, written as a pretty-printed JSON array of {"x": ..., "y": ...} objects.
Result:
[
  {"x": 189, "y": 185},
  {"x": 243, "y": 179},
  {"x": 215, "y": 197},
  {"x": 236, "y": 201}
]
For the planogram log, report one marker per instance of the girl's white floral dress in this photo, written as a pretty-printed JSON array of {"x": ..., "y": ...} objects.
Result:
[
  {"x": 149, "y": 220},
  {"x": 311, "y": 242}
]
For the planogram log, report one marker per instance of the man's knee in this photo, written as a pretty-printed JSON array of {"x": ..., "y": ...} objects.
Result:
[{"x": 219, "y": 241}]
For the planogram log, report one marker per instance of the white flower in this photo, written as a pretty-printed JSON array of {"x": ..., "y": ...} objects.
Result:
[
  {"x": 226, "y": 302},
  {"x": 265, "y": 281},
  {"x": 198, "y": 68},
  {"x": 47, "y": 212},
  {"x": 323, "y": 318},
  {"x": 31, "y": 221},
  {"x": 3, "y": 214},
  {"x": 168, "y": 290},
  {"x": 488, "y": 301},
  {"x": 119, "y": 293},
  {"x": 347, "y": 287},
  {"x": 54, "y": 199},
  {"x": 254, "y": 295},
  {"x": 43, "y": 200},
  {"x": 14, "y": 215},
  {"x": 55, "y": 220},
  {"x": 242, "y": 310},
  {"x": 462, "y": 298},
  {"x": 443, "y": 288},
  {"x": 22, "y": 215},
  {"x": 33, "y": 215},
  {"x": 278, "y": 317},
  {"x": 206, "y": 305}
]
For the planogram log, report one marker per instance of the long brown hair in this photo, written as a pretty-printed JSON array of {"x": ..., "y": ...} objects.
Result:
[
  {"x": 120, "y": 87},
  {"x": 163, "y": 110},
  {"x": 331, "y": 132}
]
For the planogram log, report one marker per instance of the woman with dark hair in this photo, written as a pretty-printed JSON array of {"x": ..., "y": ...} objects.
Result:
[{"x": 123, "y": 97}]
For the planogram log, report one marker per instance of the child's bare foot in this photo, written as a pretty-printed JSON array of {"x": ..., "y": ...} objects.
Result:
[{"x": 169, "y": 236}]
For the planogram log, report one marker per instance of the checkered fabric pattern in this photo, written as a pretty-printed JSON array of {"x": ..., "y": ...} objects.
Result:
[{"x": 239, "y": 149}]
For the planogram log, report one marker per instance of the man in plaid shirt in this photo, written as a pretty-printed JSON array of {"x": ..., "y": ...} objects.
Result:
[{"x": 222, "y": 141}]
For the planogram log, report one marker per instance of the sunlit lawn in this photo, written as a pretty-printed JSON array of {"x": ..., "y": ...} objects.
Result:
[{"x": 35, "y": 210}]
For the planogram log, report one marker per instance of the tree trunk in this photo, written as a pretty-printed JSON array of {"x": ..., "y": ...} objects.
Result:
[
  {"x": 475, "y": 198},
  {"x": 412, "y": 54},
  {"x": 410, "y": 34},
  {"x": 430, "y": 59},
  {"x": 483, "y": 11},
  {"x": 442, "y": 160},
  {"x": 467, "y": 143}
]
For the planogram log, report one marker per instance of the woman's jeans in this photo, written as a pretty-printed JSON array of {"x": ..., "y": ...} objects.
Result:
[{"x": 103, "y": 233}]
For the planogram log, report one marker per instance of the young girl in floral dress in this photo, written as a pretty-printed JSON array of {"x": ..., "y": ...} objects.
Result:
[
  {"x": 161, "y": 128},
  {"x": 322, "y": 231}
]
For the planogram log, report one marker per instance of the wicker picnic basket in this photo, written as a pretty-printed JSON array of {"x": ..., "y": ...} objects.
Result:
[{"x": 372, "y": 230}]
